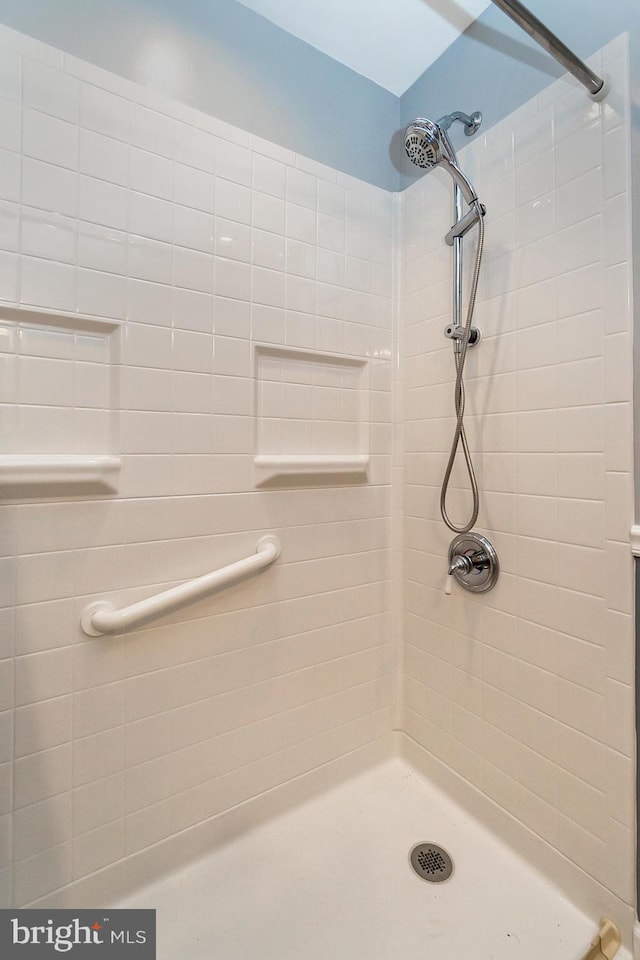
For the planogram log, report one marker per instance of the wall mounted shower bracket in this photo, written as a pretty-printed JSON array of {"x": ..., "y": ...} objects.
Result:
[
  {"x": 462, "y": 227},
  {"x": 473, "y": 563},
  {"x": 454, "y": 331},
  {"x": 471, "y": 122}
]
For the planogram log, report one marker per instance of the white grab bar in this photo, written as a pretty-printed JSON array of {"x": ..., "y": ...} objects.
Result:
[{"x": 100, "y": 617}]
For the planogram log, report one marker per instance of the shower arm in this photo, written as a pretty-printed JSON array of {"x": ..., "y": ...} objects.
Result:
[{"x": 596, "y": 86}]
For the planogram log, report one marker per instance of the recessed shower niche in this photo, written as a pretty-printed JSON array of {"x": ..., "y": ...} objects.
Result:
[
  {"x": 58, "y": 400},
  {"x": 311, "y": 414}
]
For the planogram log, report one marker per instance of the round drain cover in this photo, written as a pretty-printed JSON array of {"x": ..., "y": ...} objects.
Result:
[{"x": 431, "y": 862}]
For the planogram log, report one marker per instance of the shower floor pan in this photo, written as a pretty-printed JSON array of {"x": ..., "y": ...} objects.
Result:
[{"x": 331, "y": 880}]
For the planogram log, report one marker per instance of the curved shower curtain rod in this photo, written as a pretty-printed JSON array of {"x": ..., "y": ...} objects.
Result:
[{"x": 596, "y": 86}]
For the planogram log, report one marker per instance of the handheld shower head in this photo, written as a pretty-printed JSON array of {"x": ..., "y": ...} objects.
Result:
[
  {"x": 428, "y": 146},
  {"x": 422, "y": 143}
]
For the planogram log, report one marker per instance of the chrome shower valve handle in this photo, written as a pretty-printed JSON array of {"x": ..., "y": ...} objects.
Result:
[{"x": 473, "y": 563}]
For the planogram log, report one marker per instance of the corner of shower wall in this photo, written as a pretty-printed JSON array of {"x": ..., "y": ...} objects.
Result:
[
  {"x": 398, "y": 469},
  {"x": 521, "y": 701}
]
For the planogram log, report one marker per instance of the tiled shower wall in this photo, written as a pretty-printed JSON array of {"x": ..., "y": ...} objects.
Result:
[
  {"x": 526, "y": 693},
  {"x": 196, "y": 242}
]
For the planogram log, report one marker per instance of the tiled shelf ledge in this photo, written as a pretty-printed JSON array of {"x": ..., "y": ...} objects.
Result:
[
  {"x": 21, "y": 470},
  {"x": 270, "y": 467}
]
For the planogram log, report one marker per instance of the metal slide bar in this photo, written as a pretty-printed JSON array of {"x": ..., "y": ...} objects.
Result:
[
  {"x": 101, "y": 617},
  {"x": 548, "y": 40}
]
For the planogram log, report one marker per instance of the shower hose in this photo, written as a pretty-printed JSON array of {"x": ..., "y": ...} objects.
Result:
[{"x": 459, "y": 436}]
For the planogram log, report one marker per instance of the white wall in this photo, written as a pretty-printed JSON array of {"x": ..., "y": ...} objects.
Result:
[
  {"x": 526, "y": 693},
  {"x": 195, "y": 241}
]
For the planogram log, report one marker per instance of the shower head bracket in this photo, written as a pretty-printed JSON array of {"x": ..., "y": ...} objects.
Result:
[
  {"x": 471, "y": 122},
  {"x": 465, "y": 224},
  {"x": 458, "y": 332}
]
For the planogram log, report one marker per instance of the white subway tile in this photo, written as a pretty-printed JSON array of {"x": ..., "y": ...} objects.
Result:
[
  {"x": 536, "y": 262},
  {"x": 42, "y": 775},
  {"x": 193, "y": 188},
  {"x": 193, "y": 228},
  {"x": 37, "y": 876},
  {"x": 580, "y": 245},
  {"x": 49, "y": 187},
  {"x": 194, "y": 147},
  {"x": 581, "y": 522},
  {"x": 301, "y": 224},
  {"x": 150, "y": 260},
  {"x": 614, "y": 167},
  {"x": 192, "y": 351},
  {"x": 619, "y": 700},
  {"x": 105, "y": 113},
  {"x": 150, "y": 217},
  {"x": 98, "y": 756},
  {"x": 618, "y": 578},
  {"x": 193, "y": 270},
  {"x": 102, "y": 248},
  {"x": 50, "y": 139},
  {"x": 151, "y": 174},
  {"x": 268, "y": 213},
  {"x": 102, "y": 294},
  {"x": 104, "y": 158},
  {"x": 96, "y": 849},
  {"x": 572, "y": 115},
  {"x": 232, "y": 240},
  {"x": 147, "y": 345},
  {"x": 193, "y": 310},
  {"x": 618, "y": 506},
  {"x": 103, "y": 203},
  {"x": 150, "y": 302},
  {"x": 153, "y": 131},
  {"x": 269, "y": 176},
  {"x": 232, "y": 279},
  {"x": 619, "y": 797},
  {"x": 9, "y": 226},
  {"x": 581, "y": 709},
  {"x": 192, "y": 392},
  {"x": 42, "y": 725},
  {"x": 331, "y": 199},
  {"x": 41, "y": 826},
  {"x": 48, "y": 235},
  {"x": 48, "y": 284},
  {"x": 581, "y": 383},
  {"x": 233, "y": 162},
  {"x": 301, "y": 259},
  {"x": 10, "y": 125},
  {"x": 615, "y": 230},
  {"x": 617, "y": 294},
  {"x": 618, "y": 431},
  {"x": 232, "y": 201},
  {"x": 267, "y": 250},
  {"x": 97, "y": 702},
  {"x": 578, "y": 153},
  {"x": 618, "y": 371},
  {"x": 11, "y": 74},
  {"x": 99, "y": 802},
  {"x": 9, "y": 175}
]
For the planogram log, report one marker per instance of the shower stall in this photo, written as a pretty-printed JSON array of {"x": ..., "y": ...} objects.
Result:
[{"x": 215, "y": 347}]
